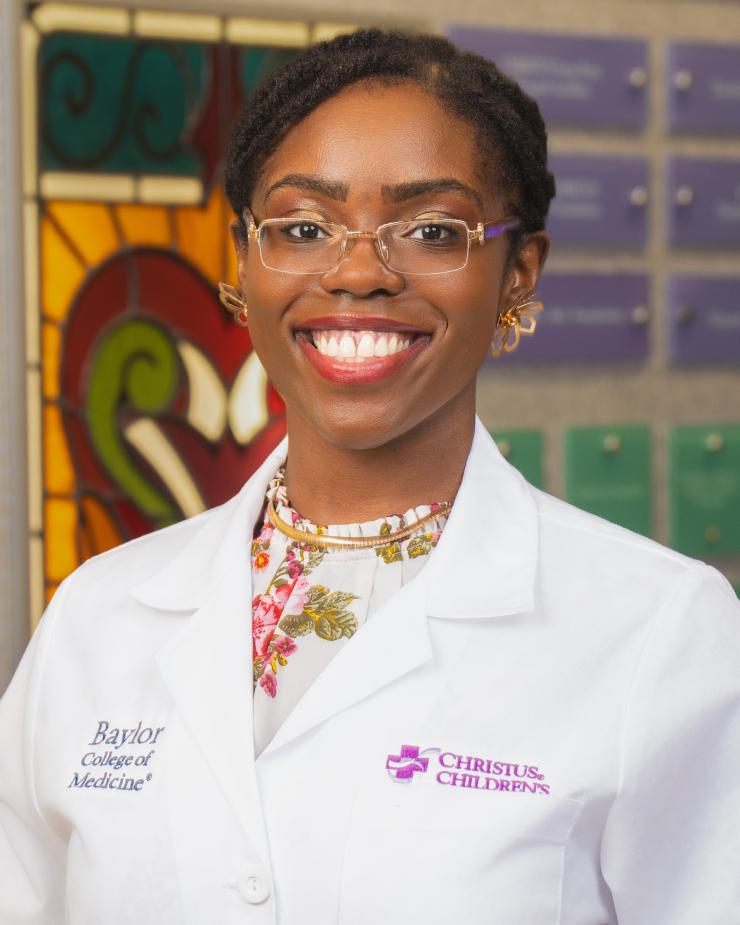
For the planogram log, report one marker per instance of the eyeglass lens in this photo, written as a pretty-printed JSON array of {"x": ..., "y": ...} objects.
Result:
[{"x": 420, "y": 247}]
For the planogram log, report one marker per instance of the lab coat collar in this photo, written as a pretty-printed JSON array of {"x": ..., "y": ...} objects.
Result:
[
  {"x": 484, "y": 565},
  {"x": 188, "y": 581},
  {"x": 486, "y": 560}
]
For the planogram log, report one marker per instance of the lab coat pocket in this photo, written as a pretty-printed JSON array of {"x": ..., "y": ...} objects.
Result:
[{"x": 438, "y": 854}]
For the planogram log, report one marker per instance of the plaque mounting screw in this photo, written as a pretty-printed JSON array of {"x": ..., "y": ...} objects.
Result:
[
  {"x": 505, "y": 448},
  {"x": 612, "y": 443},
  {"x": 683, "y": 80},
  {"x": 714, "y": 442},
  {"x": 638, "y": 196},
  {"x": 684, "y": 196},
  {"x": 638, "y": 77},
  {"x": 685, "y": 314},
  {"x": 712, "y": 533},
  {"x": 640, "y": 314}
]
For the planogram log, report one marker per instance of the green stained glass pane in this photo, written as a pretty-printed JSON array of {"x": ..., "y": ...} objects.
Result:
[
  {"x": 607, "y": 472},
  {"x": 112, "y": 104},
  {"x": 705, "y": 489},
  {"x": 258, "y": 62},
  {"x": 523, "y": 449}
]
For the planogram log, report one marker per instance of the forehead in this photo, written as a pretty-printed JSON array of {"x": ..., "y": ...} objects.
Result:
[{"x": 370, "y": 135}]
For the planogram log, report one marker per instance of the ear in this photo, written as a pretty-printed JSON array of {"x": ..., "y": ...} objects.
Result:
[
  {"x": 241, "y": 243},
  {"x": 525, "y": 267}
]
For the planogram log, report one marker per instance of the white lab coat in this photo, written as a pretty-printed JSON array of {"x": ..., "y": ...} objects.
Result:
[{"x": 573, "y": 691}]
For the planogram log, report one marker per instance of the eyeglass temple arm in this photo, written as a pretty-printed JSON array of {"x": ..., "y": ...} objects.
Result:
[{"x": 488, "y": 230}]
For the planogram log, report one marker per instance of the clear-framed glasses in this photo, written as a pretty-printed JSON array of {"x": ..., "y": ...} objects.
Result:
[{"x": 418, "y": 247}]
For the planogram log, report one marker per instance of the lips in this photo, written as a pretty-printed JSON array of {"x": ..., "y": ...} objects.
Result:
[{"x": 354, "y": 349}]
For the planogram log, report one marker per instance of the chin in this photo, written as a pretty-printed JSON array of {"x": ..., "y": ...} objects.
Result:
[{"x": 360, "y": 428}]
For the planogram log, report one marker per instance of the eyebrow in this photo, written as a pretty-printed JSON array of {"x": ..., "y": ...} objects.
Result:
[
  {"x": 312, "y": 185},
  {"x": 404, "y": 191},
  {"x": 401, "y": 192}
]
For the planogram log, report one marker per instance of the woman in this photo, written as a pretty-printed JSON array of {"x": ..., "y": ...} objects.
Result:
[{"x": 470, "y": 702}]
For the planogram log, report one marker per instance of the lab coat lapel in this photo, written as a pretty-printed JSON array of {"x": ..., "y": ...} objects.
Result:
[
  {"x": 392, "y": 643},
  {"x": 484, "y": 566},
  {"x": 207, "y": 665}
]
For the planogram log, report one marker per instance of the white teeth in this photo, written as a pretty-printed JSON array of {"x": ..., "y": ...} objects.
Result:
[
  {"x": 366, "y": 346},
  {"x": 358, "y": 346},
  {"x": 382, "y": 345},
  {"x": 347, "y": 346}
]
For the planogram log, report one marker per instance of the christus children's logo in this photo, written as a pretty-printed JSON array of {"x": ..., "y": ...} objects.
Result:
[
  {"x": 449, "y": 769},
  {"x": 118, "y": 757},
  {"x": 409, "y": 761}
]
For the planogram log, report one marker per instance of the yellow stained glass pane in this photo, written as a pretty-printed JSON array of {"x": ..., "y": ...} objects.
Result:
[
  {"x": 98, "y": 531},
  {"x": 59, "y": 476},
  {"x": 144, "y": 225},
  {"x": 89, "y": 226},
  {"x": 51, "y": 591},
  {"x": 61, "y": 273},
  {"x": 200, "y": 234},
  {"x": 51, "y": 355},
  {"x": 60, "y": 527}
]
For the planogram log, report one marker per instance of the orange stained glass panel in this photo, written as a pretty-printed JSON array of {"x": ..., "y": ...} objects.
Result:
[
  {"x": 98, "y": 532},
  {"x": 61, "y": 273},
  {"x": 51, "y": 353},
  {"x": 145, "y": 225},
  {"x": 59, "y": 475},
  {"x": 60, "y": 526},
  {"x": 201, "y": 233},
  {"x": 89, "y": 226},
  {"x": 51, "y": 590}
]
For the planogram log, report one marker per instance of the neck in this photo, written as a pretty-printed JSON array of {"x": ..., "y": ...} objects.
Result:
[{"x": 333, "y": 484}]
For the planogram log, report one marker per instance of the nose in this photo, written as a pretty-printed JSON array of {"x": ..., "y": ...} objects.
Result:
[{"x": 361, "y": 272}]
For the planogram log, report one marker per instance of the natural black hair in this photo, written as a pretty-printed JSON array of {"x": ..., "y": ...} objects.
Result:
[{"x": 509, "y": 128}]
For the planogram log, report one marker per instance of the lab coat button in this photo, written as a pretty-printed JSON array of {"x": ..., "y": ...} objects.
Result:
[{"x": 254, "y": 886}]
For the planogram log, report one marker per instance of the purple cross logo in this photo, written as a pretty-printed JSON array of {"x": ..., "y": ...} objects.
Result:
[{"x": 403, "y": 767}]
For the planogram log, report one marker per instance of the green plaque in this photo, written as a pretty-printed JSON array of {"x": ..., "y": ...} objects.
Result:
[
  {"x": 705, "y": 489},
  {"x": 523, "y": 449},
  {"x": 607, "y": 472}
]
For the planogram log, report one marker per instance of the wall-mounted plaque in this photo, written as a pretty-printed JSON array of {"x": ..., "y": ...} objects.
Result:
[
  {"x": 523, "y": 449},
  {"x": 607, "y": 472},
  {"x": 588, "y": 318},
  {"x": 703, "y": 314},
  {"x": 703, "y": 87},
  {"x": 584, "y": 81},
  {"x": 600, "y": 201},
  {"x": 705, "y": 489},
  {"x": 703, "y": 202}
]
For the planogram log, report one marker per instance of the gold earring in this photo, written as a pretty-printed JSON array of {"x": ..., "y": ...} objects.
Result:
[
  {"x": 233, "y": 301},
  {"x": 515, "y": 321}
]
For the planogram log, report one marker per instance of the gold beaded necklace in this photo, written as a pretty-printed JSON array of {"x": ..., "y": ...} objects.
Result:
[{"x": 326, "y": 541}]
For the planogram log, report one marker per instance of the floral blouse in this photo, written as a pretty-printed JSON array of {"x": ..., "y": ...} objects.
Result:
[{"x": 308, "y": 602}]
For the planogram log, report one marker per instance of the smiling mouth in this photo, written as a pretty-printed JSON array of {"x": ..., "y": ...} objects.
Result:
[
  {"x": 359, "y": 349},
  {"x": 359, "y": 346}
]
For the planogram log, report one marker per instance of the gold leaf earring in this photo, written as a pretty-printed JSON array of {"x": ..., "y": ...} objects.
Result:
[
  {"x": 515, "y": 321},
  {"x": 233, "y": 301}
]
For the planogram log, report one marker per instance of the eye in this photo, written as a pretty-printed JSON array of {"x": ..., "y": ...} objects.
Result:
[
  {"x": 306, "y": 231},
  {"x": 432, "y": 232}
]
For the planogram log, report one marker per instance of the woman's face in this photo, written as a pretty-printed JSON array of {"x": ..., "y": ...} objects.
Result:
[{"x": 368, "y": 156}]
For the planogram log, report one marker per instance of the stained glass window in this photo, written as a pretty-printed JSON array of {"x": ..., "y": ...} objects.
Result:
[{"x": 146, "y": 402}]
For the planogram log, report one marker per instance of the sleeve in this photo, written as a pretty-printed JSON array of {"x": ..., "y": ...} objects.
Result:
[
  {"x": 31, "y": 854},
  {"x": 671, "y": 846}
]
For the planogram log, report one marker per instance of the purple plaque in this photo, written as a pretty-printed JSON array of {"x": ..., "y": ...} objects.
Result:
[
  {"x": 703, "y": 202},
  {"x": 600, "y": 201},
  {"x": 703, "y": 87},
  {"x": 577, "y": 80},
  {"x": 588, "y": 318},
  {"x": 704, "y": 319}
]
